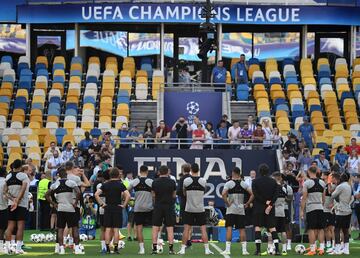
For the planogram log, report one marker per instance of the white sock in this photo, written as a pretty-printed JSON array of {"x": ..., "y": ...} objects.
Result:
[
  {"x": 183, "y": 247},
  {"x": 243, "y": 245},
  {"x": 13, "y": 242},
  {"x": 322, "y": 246},
  {"x": 284, "y": 247},
  {"x": 313, "y": 248},
  {"x": 7, "y": 244},
  {"x": 333, "y": 243},
  {"x": 18, "y": 245},
  {"x": 346, "y": 247},
  {"x": 270, "y": 245},
  {"x": 71, "y": 241},
  {"x": 57, "y": 245},
  {"x": 1, "y": 244},
  {"x": 337, "y": 248},
  {"x": 328, "y": 244},
  {"x": 206, "y": 246},
  {"x": 228, "y": 246},
  {"x": 141, "y": 246},
  {"x": 342, "y": 245},
  {"x": 289, "y": 242},
  {"x": 64, "y": 240},
  {"x": 103, "y": 245}
]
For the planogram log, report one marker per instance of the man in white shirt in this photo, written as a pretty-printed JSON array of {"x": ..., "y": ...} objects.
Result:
[
  {"x": 196, "y": 121},
  {"x": 54, "y": 163},
  {"x": 234, "y": 132},
  {"x": 50, "y": 151},
  {"x": 67, "y": 153}
]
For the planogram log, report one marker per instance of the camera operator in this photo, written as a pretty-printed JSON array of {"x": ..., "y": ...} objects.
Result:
[
  {"x": 88, "y": 218},
  {"x": 181, "y": 128}
]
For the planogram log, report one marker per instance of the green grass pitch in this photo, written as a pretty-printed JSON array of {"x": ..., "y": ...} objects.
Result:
[{"x": 92, "y": 248}]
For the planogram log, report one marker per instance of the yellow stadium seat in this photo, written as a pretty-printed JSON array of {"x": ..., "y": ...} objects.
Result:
[
  {"x": 319, "y": 129},
  {"x": 281, "y": 113},
  {"x": 22, "y": 93},
  {"x": 42, "y": 60},
  {"x": 252, "y": 69},
  {"x": 123, "y": 110},
  {"x": 59, "y": 60},
  {"x": 322, "y": 61},
  {"x": 76, "y": 67},
  {"x": 68, "y": 138},
  {"x": 7, "y": 85},
  {"x": 72, "y": 99},
  {"x": 75, "y": 79},
  {"x": 125, "y": 73},
  {"x": 113, "y": 67},
  {"x": 53, "y": 119},
  {"x": 94, "y": 60},
  {"x": 316, "y": 151},
  {"x": 284, "y": 128},
  {"x": 130, "y": 67},
  {"x": 337, "y": 127},
  {"x": 141, "y": 73},
  {"x": 234, "y": 61},
  {"x": 43, "y": 133},
  {"x": 12, "y": 157},
  {"x": 261, "y": 94},
  {"x": 295, "y": 94},
  {"x": 58, "y": 86},
  {"x": 107, "y": 93}
]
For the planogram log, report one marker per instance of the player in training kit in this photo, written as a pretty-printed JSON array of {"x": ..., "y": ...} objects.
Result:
[
  {"x": 233, "y": 195},
  {"x": 164, "y": 193},
  {"x": 77, "y": 175},
  {"x": 16, "y": 191},
  {"x": 103, "y": 177},
  {"x": 289, "y": 198},
  {"x": 194, "y": 215},
  {"x": 143, "y": 208},
  {"x": 312, "y": 201},
  {"x": 328, "y": 214},
  {"x": 280, "y": 216},
  {"x": 3, "y": 209},
  {"x": 343, "y": 197},
  {"x": 114, "y": 192},
  {"x": 265, "y": 191},
  {"x": 64, "y": 191}
]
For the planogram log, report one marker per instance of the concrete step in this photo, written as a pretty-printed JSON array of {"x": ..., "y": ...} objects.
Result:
[{"x": 241, "y": 110}]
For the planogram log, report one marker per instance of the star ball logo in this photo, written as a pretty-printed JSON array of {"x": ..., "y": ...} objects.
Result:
[{"x": 193, "y": 107}]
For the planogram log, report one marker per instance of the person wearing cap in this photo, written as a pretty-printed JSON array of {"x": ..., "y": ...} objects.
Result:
[
  {"x": 322, "y": 163},
  {"x": 218, "y": 76},
  {"x": 306, "y": 132}
]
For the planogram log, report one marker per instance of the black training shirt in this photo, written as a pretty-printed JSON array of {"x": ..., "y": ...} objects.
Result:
[
  {"x": 112, "y": 191},
  {"x": 164, "y": 188}
]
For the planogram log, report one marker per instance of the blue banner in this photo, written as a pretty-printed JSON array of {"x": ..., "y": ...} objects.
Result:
[
  {"x": 215, "y": 165},
  {"x": 187, "y": 13},
  {"x": 189, "y": 104}
]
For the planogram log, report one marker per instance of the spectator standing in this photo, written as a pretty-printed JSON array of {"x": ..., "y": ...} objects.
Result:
[
  {"x": 95, "y": 146},
  {"x": 181, "y": 128},
  {"x": 222, "y": 134},
  {"x": 276, "y": 137},
  {"x": 258, "y": 136},
  {"x": 195, "y": 123},
  {"x": 251, "y": 123},
  {"x": 267, "y": 128},
  {"x": 218, "y": 76},
  {"x": 304, "y": 160},
  {"x": 234, "y": 134},
  {"x": 67, "y": 154},
  {"x": 54, "y": 163},
  {"x": 353, "y": 146},
  {"x": 85, "y": 143},
  {"x": 209, "y": 135},
  {"x": 354, "y": 163},
  {"x": 240, "y": 71},
  {"x": 134, "y": 136},
  {"x": 246, "y": 135},
  {"x": 162, "y": 135},
  {"x": 149, "y": 134},
  {"x": 122, "y": 133},
  {"x": 322, "y": 163},
  {"x": 341, "y": 158},
  {"x": 198, "y": 137},
  {"x": 50, "y": 151},
  {"x": 306, "y": 133},
  {"x": 77, "y": 159},
  {"x": 292, "y": 145}
]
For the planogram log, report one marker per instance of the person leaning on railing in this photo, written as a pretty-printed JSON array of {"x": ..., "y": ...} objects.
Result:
[{"x": 162, "y": 135}]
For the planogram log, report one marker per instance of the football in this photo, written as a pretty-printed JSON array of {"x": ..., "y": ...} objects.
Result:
[
  {"x": 271, "y": 250},
  {"x": 121, "y": 244},
  {"x": 300, "y": 249}
]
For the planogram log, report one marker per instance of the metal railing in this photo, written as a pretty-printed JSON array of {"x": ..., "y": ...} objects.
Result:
[{"x": 179, "y": 143}]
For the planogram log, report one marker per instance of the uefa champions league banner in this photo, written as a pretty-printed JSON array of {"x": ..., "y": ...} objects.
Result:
[
  {"x": 187, "y": 13},
  {"x": 215, "y": 165},
  {"x": 206, "y": 105}
]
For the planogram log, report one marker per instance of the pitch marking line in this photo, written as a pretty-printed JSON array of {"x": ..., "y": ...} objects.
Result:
[{"x": 219, "y": 250}]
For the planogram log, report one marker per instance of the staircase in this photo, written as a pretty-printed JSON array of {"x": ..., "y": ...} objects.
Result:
[
  {"x": 241, "y": 110},
  {"x": 141, "y": 111}
]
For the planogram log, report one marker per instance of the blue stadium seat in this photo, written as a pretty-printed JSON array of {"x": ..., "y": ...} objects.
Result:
[
  {"x": 290, "y": 74},
  {"x": 25, "y": 83},
  {"x": 282, "y": 107},
  {"x": 76, "y": 73},
  {"x": 291, "y": 80},
  {"x": 8, "y": 78},
  {"x": 280, "y": 101},
  {"x": 315, "y": 108},
  {"x": 123, "y": 97},
  {"x": 89, "y": 99},
  {"x": 26, "y": 73},
  {"x": 58, "y": 79},
  {"x": 275, "y": 80},
  {"x": 76, "y": 60},
  {"x": 42, "y": 72},
  {"x": 59, "y": 133},
  {"x": 242, "y": 92},
  {"x": 264, "y": 114},
  {"x": 7, "y": 59},
  {"x": 346, "y": 95},
  {"x": 148, "y": 68},
  {"x": 71, "y": 112},
  {"x": 259, "y": 80},
  {"x": 71, "y": 106},
  {"x": 287, "y": 61},
  {"x": 95, "y": 132},
  {"x": 40, "y": 66},
  {"x": 58, "y": 66},
  {"x": 20, "y": 67},
  {"x": 37, "y": 106},
  {"x": 5, "y": 99},
  {"x": 325, "y": 80},
  {"x": 91, "y": 79},
  {"x": 146, "y": 60},
  {"x": 253, "y": 61}
]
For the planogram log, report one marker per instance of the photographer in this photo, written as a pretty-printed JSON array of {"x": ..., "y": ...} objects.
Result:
[
  {"x": 181, "y": 128},
  {"x": 88, "y": 218}
]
